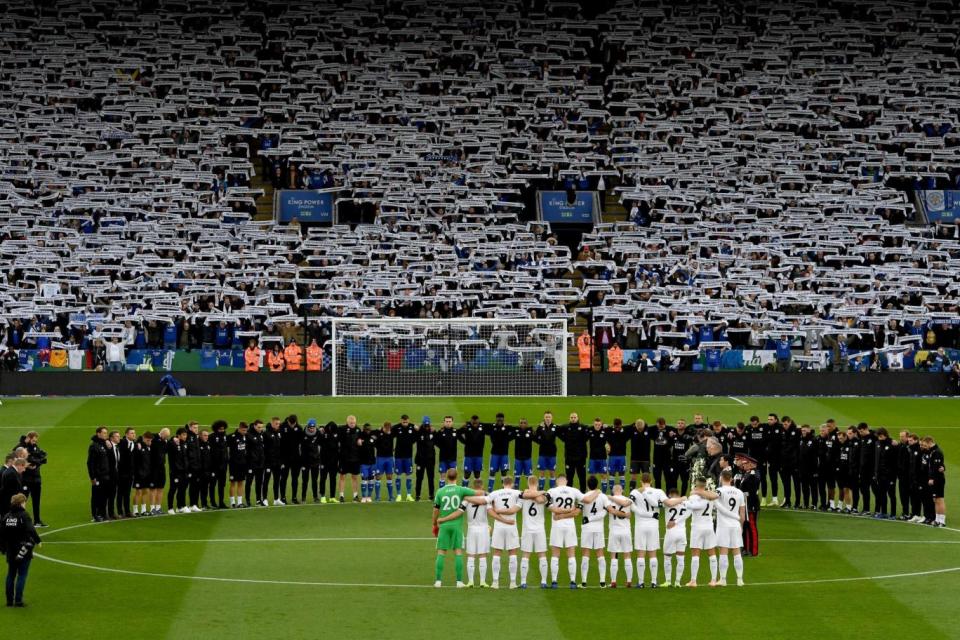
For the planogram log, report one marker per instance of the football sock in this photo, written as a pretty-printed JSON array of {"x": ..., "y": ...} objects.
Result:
[
  {"x": 496, "y": 569},
  {"x": 628, "y": 569},
  {"x": 941, "y": 518},
  {"x": 584, "y": 567},
  {"x": 544, "y": 575},
  {"x": 458, "y": 564},
  {"x": 483, "y": 568},
  {"x": 713, "y": 568},
  {"x": 555, "y": 568},
  {"x": 572, "y": 569},
  {"x": 471, "y": 566},
  {"x": 724, "y": 565},
  {"x": 602, "y": 563},
  {"x": 604, "y": 484},
  {"x": 540, "y": 484},
  {"x": 524, "y": 570},
  {"x": 490, "y": 484},
  {"x": 738, "y": 565},
  {"x": 390, "y": 491},
  {"x": 553, "y": 482},
  {"x": 376, "y": 489},
  {"x": 396, "y": 485},
  {"x": 694, "y": 567},
  {"x": 654, "y": 566},
  {"x": 439, "y": 566},
  {"x": 680, "y": 563},
  {"x": 465, "y": 482},
  {"x": 641, "y": 569},
  {"x": 667, "y": 569},
  {"x": 409, "y": 486},
  {"x": 516, "y": 480},
  {"x": 512, "y": 568},
  {"x": 443, "y": 483},
  {"x": 615, "y": 568}
]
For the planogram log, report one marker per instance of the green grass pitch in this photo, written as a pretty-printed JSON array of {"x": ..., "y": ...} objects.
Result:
[{"x": 366, "y": 571}]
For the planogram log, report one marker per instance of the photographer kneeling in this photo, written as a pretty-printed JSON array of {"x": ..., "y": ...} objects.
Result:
[{"x": 18, "y": 538}]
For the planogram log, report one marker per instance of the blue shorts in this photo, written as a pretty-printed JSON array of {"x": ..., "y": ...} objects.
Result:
[
  {"x": 385, "y": 466},
  {"x": 404, "y": 465},
  {"x": 367, "y": 470},
  {"x": 499, "y": 462},
  {"x": 447, "y": 464},
  {"x": 597, "y": 466},
  {"x": 522, "y": 467},
  {"x": 618, "y": 464},
  {"x": 547, "y": 463},
  {"x": 473, "y": 464}
]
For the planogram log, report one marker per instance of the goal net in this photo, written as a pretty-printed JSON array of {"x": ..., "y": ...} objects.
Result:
[{"x": 462, "y": 357}]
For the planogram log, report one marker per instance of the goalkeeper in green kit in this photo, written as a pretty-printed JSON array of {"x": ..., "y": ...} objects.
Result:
[{"x": 448, "y": 510}]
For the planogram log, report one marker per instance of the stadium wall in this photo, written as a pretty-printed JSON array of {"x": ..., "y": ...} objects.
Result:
[{"x": 579, "y": 384}]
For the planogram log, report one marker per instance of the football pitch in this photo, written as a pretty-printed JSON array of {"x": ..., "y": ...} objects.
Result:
[{"x": 366, "y": 570}]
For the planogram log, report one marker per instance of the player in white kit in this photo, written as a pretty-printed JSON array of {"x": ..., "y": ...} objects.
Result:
[
  {"x": 675, "y": 538},
  {"x": 504, "y": 504},
  {"x": 594, "y": 511},
  {"x": 646, "y": 503},
  {"x": 702, "y": 535},
  {"x": 562, "y": 502},
  {"x": 731, "y": 513},
  {"x": 478, "y": 537},
  {"x": 533, "y": 537},
  {"x": 620, "y": 543}
]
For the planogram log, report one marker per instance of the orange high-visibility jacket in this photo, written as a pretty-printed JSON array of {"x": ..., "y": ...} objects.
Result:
[
  {"x": 615, "y": 359},
  {"x": 251, "y": 359},
  {"x": 314, "y": 358},
  {"x": 585, "y": 351},
  {"x": 275, "y": 360},
  {"x": 293, "y": 355}
]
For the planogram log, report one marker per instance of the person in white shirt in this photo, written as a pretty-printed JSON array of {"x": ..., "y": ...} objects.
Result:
[
  {"x": 562, "y": 502},
  {"x": 731, "y": 513},
  {"x": 114, "y": 355},
  {"x": 478, "y": 538},
  {"x": 675, "y": 538},
  {"x": 503, "y": 505},
  {"x": 533, "y": 538},
  {"x": 620, "y": 542},
  {"x": 646, "y": 504},
  {"x": 594, "y": 509},
  {"x": 702, "y": 535}
]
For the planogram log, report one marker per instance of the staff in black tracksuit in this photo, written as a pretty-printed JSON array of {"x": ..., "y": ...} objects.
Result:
[
  {"x": 828, "y": 451},
  {"x": 310, "y": 457},
  {"x": 256, "y": 461},
  {"x": 886, "y": 456},
  {"x": 661, "y": 435},
  {"x": 125, "y": 449},
  {"x": 868, "y": 444},
  {"x": 574, "y": 437},
  {"x": 206, "y": 471},
  {"x": 194, "y": 465},
  {"x": 158, "y": 466},
  {"x": 774, "y": 445},
  {"x": 748, "y": 481},
  {"x": 757, "y": 448},
  {"x": 918, "y": 478},
  {"x": 36, "y": 458},
  {"x": 808, "y": 468},
  {"x": 678, "y": 470},
  {"x": 426, "y": 457},
  {"x": 143, "y": 476},
  {"x": 113, "y": 457},
  {"x": 329, "y": 460},
  {"x": 239, "y": 465},
  {"x": 177, "y": 463},
  {"x": 273, "y": 466},
  {"x": 790, "y": 437},
  {"x": 290, "y": 454},
  {"x": 219, "y": 463},
  {"x": 905, "y": 474},
  {"x": 98, "y": 470},
  {"x": 639, "y": 433}
]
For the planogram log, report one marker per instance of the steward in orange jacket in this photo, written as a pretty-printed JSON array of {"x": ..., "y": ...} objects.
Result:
[
  {"x": 293, "y": 355},
  {"x": 585, "y": 351},
  {"x": 275, "y": 359},
  {"x": 251, "y": 358},
  {"x": 615, "y": 359},
  {"x": 314, "y": 357}
]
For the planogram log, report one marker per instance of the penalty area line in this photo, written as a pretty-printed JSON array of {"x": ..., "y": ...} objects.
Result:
[{"x": 739, "y": 401}]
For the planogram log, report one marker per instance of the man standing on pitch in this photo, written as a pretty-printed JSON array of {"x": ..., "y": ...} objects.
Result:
[{"x": 448, "y": 511}]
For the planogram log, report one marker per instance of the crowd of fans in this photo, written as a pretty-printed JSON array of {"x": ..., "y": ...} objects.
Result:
[{"x": 767, "y": 155}]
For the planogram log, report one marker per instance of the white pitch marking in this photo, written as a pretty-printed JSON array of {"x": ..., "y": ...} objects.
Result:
[
  {"x": 157, "y": 403},
  {"x": 858, "y": 541},
  {"x": 240, "y": 540},
  {"x": 739, "y": 401}
]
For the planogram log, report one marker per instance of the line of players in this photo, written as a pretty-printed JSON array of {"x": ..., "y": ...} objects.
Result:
[
  {"x": 717, "y": 518},
  {"x": 833, "y": 470}
]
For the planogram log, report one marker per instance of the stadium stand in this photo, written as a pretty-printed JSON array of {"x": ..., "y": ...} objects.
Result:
[{"x": 768, "y": 156}]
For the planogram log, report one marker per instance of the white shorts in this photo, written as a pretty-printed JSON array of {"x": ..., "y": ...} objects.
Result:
[
  {"x": 646, "y": 539},
  {"x": 729, "y": 537},
  {"x": 533, "y": 541},
  {"x": 563, "y": 537},
  {"x": 592, "y": 540},
  {"x": 675, "y": 540},
  {"x": 505, "y": 539},
  {"x": 702, "y": 539},
  {"x": 478, "y": 540},
  {"x": 620, "y": 541}
]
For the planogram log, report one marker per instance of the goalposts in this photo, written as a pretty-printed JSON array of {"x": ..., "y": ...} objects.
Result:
[{"x": 458, "y": 357}]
